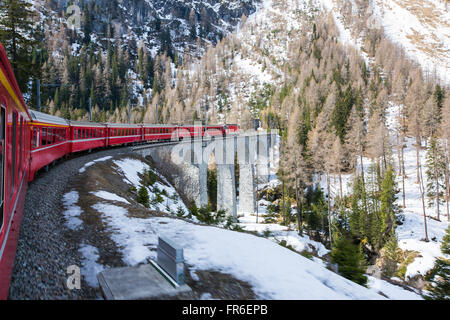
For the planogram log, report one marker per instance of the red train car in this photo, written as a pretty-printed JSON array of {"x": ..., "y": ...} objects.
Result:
[
  {"x": 231, "y": 128},
  {"x": 14, "y": 161},
  {"x": 162, "y": 132},
  {"x": 87, "y": 136},
  {"x": 49, "y": 140},
  {"x": 123, "y": 134}
]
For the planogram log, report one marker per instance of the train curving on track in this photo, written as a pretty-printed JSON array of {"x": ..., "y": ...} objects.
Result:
[{"x": 30, "y": 141}]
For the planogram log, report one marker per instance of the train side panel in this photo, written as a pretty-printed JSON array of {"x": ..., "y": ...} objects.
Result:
[
  {"x": 123, "y": 134},
  {"x": 87, "y": 137},
  {"x": 48, "y": 143},
  {"x": 14, "y": 167}
]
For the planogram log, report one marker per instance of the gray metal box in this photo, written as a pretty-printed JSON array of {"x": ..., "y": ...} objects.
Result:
[{"x": 171, "y": 259}]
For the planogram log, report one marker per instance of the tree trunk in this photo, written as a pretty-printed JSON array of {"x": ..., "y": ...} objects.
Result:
[
  {"x": 436, "y": 183},
  {"x": 299, "y": 214},
  {"x": 399, "y": 155},
  {"x": 447, "y": 187},
  {"x": 422, "y": 192},
  {"x": 340, "y": 185},
  {"x": 363, "y": 181},
  {"x": 447, "y": 191},
  {"x": 284, "y": 210},
  {"x": 437, "y": 190},
  {"x": 418, "y": 145},
  {"x": 403, "y": 177},
  {"x": 362, "y": 168},
  {"x": 329, "y": 208}
]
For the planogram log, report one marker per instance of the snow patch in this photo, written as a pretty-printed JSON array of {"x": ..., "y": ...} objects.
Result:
[{"x": 72, "y": 211}]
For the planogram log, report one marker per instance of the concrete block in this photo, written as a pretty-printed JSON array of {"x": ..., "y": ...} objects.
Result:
[
  {"x": 171, "y": 259},
  {"x": 140, "y": 283}
]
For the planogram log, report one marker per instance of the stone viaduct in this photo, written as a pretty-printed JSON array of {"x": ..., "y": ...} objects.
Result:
[{"x": 185, "y": 164}]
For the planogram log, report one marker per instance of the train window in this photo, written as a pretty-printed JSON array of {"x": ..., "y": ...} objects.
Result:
[
  {"x": 2, "y": 161},
  {"x": 13, "y": 152},
  {"x": 43, "y": 136},
  {"x": 49, "y": 136},
  {"x": 34, "y": 138}
]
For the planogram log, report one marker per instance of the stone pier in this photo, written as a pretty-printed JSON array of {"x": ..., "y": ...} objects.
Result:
[
  {"x": 186, "y": 166},
  {"x": 226, "y": 189},
  {"x": 263, "y": 159}
]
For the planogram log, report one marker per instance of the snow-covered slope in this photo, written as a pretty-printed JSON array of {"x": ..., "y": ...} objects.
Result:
[
  {"x": 273, "y": 271},
  {"x": 422, "y": 28}
]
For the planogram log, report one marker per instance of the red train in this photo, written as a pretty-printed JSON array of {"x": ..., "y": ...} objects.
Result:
[{"x": 30, "y": 140}]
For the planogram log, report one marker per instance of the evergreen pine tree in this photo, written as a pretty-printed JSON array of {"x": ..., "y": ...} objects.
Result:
[
  {"x": 439, "y": 276},
  {"x": 350, "y": 260},
  {"x": 435, "y": 163},
  {"x": 388, "y": 209},
  {"x": 358, "y": 214},
  {"x": 16, "y": 29},
  {"x": 143, "y": 197}
]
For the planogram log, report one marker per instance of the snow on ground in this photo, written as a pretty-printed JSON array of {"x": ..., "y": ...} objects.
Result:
[
  {"x": 247, "y": 257},
  {"x": 277, "y": 233},
  {"x": 170, "y": 201},
  {"x": 392, "y": 291},
  {"x": 412, "y": 231},
  {"x": 90, "y": 267},
  {"x": 253, "y": 259},
  {"x": 109, "y": 196},
  {"x": 131, "y": 168},
  {"x": 72, "y": 211},
  {"x": 89, "y": 164},
  {"x": 422, "y": 28}
]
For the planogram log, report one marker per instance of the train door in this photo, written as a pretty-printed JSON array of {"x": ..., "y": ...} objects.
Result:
[{"x": 2, "y": 163}]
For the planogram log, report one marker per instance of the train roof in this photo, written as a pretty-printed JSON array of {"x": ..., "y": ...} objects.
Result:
[
  {"x": 46, "y": 118},
  {"x": 86, "y": 124},
  {"x": 122, "y": 125},
  {"x": 160, "y": 125}
]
